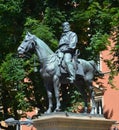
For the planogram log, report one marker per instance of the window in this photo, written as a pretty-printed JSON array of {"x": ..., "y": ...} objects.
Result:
[{"x": 99, "y": 105}]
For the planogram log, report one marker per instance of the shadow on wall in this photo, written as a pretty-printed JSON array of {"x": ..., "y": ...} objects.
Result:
[{"x": 108, "y": 113}]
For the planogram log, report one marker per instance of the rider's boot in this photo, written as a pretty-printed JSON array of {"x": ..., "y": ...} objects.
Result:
[{"x": 71, "y": 72}]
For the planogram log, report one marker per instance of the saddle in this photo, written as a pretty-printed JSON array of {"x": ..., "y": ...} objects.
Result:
[{"x": 77, "y": 66}]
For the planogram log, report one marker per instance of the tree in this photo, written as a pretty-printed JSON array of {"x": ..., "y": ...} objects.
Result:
[{"x": 12, "y": 86}]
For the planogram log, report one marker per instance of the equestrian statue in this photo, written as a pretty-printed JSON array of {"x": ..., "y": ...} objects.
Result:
[{"x": 62, "y": 66}]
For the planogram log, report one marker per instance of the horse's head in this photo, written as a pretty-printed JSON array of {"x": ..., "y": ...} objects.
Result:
[{"x": 27, "y": 44}]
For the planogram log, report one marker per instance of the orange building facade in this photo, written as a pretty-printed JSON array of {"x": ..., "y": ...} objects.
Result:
[{"x": 111, "y": 95}]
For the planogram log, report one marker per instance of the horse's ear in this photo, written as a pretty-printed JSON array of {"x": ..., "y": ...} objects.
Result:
[{"x": 28, "y": 33}]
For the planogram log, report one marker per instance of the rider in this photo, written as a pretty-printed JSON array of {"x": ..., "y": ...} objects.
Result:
[{"x": 67, "y": 47}]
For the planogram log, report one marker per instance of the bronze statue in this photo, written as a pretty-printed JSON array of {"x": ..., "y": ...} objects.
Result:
[
  {"x": 49, "y": 62},
  {"x": 66, "y": 50}
]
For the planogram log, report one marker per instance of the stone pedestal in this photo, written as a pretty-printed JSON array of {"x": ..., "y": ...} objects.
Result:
[{"x": 71, "y": 121}]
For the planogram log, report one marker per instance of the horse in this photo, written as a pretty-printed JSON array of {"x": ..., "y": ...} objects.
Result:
[{"x": 49, "y": 67}]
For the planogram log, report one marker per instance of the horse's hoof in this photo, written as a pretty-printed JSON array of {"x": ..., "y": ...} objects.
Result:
[
  {"x": 57, "y": 110},
  {"x": 92, "y": 112},
  {"x": 71, "y": 79},
  {"x": 85, "y": 113},
  {"x": 48, "y": 112}
]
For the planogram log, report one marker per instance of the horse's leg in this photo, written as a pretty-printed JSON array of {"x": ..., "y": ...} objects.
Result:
[
  {"x": 56, "y": 90},
  {"x": 89, "y": 80},
  {"x": 92, "y": 93},
  {"x": 49, "y": 94}
]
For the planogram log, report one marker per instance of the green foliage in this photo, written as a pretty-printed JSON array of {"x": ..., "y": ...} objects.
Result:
[
  {"x": 21, "y": 101},
  {"x": 41, "y": 31},
  {"x": 53, "y": 18},
  {"x": 13, "y": 7},
  {"x": 11, "y": 23},
  {"x": 75, "y": 101},
  {"x": 12, "y": 75},
  {"x": 72, "y": 100},
  {"x": 12, "y": 69},
  {"x": 99, "y": 42}
]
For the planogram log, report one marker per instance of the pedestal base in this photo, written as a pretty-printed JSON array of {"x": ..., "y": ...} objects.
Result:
[{"x": 71, "y": 121}]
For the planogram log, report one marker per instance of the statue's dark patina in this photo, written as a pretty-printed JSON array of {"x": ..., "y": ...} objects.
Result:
[
  {"x": 50, "y": 71},
  {"x": 66, "y": 50}
]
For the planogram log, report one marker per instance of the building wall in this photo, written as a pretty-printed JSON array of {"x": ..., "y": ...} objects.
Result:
[
  {"x": 111, "y": 95},
  {"x": 24, "y": 127}
]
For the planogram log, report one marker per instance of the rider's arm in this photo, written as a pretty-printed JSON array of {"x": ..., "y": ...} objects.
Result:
[{"x": 73, "y": 41}]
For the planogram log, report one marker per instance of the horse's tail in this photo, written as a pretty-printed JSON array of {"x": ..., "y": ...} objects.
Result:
[{"x": 97, "y": 72}]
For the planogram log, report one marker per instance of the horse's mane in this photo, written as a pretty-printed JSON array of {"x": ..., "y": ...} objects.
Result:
[{"x": 42, "y": 44}]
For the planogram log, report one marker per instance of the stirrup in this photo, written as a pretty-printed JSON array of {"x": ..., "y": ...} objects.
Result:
[{"x": 71, "y": 79}]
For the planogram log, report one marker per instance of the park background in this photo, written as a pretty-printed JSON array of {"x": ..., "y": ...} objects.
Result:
[{"x": 96, "y": 24}]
